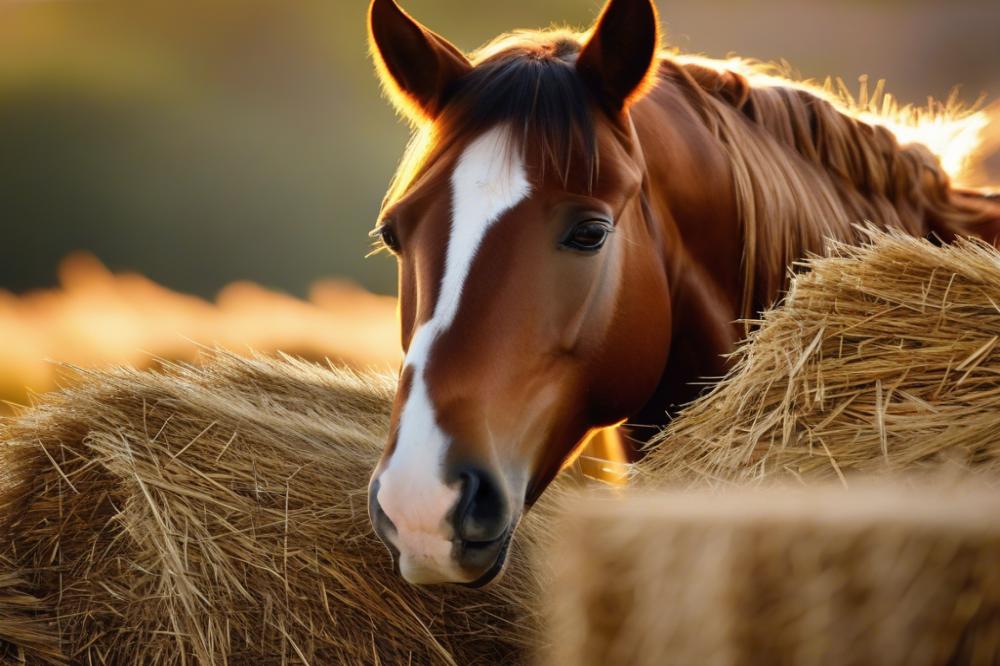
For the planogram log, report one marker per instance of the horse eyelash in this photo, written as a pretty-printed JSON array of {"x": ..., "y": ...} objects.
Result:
[
  {"x": 609, "y": 224},
  {"x": 378, "y": 246}
]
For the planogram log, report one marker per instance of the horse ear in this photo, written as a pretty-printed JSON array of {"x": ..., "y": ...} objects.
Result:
[
  {"x": 618, "y": 60},
  {"x": 416, "y": 66}
]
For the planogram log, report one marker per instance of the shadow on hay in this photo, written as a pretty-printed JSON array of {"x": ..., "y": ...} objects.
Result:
[{"x": 218, "y": 513}]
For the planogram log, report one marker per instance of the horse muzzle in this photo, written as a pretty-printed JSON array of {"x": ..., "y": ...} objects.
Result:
[{"x": 467, "y": 543}]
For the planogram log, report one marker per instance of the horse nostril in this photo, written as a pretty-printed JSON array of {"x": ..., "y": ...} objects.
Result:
[
  {"x": 481, "y": 513},
  {"x": 380, "y": 521}
]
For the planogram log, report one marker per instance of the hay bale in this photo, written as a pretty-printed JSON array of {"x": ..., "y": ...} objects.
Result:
[
  {"x": 882, "y": 358},
  {"x": 217, "y": 514},
  {"x": 885, "y": 576}
]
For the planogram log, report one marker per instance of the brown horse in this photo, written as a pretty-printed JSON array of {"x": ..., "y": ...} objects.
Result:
[{"x": 579, "y": 224}]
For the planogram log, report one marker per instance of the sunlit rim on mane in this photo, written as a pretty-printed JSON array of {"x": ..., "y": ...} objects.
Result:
[{"x": 951, "y": 130}]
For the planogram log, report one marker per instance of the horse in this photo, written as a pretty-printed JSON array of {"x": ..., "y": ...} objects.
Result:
[{"x": 580, "y": 223}]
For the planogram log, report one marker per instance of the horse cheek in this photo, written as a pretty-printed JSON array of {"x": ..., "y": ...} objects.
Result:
[{"x": 631, "y": 362}]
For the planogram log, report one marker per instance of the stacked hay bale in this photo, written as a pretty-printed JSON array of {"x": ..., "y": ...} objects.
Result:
[
  {"x": 218, "y": 515},
  {"x": 884, "y": 357},
  {"x": 882, "y": 575}
]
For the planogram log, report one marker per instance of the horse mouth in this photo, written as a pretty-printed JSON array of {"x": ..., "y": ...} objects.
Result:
[{"x": 502, "y": 546}]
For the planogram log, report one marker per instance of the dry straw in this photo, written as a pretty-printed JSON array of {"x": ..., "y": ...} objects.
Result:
[
  {"x": 883, "y": 357},
  {"x": 886, "y": 575},
  {"x": 218, "y": 514}
]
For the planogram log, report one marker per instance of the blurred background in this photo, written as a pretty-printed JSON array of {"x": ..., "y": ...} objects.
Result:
[{"x": 212, "y": 168}]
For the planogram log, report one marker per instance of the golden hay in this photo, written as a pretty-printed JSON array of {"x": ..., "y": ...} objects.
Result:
[
  {"x": 878, "y": 575},
  {"x": 882, "y": 358},
  {"x": 218, "y": 514}
]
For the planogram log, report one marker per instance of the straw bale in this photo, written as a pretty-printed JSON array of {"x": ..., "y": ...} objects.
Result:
[
  {"x": 217, "y": 514},
  {"x": 877, "y": 575},
  {"x": 883, "y": 357}
]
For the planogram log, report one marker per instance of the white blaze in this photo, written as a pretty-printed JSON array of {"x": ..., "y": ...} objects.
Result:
[{"x": 489, "y": 179}]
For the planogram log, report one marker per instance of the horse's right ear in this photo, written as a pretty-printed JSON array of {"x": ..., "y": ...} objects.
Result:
[
  {"x": 417, "y": 67},
  {"x": 618, "y": 59}
]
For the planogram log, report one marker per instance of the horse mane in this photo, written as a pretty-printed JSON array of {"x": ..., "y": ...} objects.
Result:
[{"x": 807, "y": 168}]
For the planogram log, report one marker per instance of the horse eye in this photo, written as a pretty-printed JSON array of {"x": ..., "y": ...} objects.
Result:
[
  {"x": 588, "y": 236},
  {"x": 387, "y": 236}
]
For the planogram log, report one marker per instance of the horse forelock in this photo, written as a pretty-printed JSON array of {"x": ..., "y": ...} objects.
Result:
[{"x": 526, "y": 81}]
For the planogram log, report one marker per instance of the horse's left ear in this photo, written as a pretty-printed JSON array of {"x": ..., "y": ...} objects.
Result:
[
  {"x": 417, "y": 66},
  {"x": 619, "y": 59}
]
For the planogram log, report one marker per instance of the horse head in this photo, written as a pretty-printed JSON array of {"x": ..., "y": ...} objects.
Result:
[{"x": 534, "y": 302}]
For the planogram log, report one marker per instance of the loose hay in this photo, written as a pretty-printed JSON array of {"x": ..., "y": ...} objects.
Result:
[
  {"x": 884, "y": 576},
  {"x": 883, "y": 358},
  {"x": 218, "y": 514}
]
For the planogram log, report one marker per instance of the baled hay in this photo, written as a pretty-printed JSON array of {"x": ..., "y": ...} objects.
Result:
[
  {"x": 884, "y": 357},
  {"x": 884, "y": 576},
  {"x": 218, "y": 514}
]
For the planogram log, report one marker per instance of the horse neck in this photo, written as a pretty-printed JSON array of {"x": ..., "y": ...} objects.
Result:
[
  {"x": 690, "y": 207},
  {"x": 741, "y": 191}
]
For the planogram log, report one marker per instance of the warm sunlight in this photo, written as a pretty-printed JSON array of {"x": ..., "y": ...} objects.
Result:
[{"x": 96, "y": 318}]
